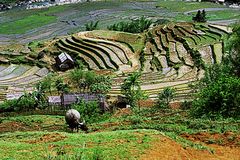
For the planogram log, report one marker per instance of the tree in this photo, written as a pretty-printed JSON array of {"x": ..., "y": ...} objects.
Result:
[
  {"x": 102, "y": 85},
  {"x": 200, "y": 16},
  {"x": 90, "y": 78},
  {"x": 132, "y": 90},
  {"x": 61, "y": 86},
  {"x": 233, "y": 48},
  {"x": 77, "y": 78},
  {"x": 40, "y": 94},
  {"x": 47, "y": 83},
  {"x": 218, "y": 95},
  {"x": 165, "y": 97}
]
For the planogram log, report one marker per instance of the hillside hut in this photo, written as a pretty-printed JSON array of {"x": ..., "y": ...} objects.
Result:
[{"x": 64, "y": 62}]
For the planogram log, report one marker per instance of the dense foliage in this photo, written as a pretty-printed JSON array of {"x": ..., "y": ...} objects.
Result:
[
  {"x": 233, "y": 50},
  {"x": 88, "y": 81},
  {"x": 134, "y": 26},
  {"x": 91, "y": 26},
  {"x": 90, "y": 111},
  {"x": 219, "y": 94},
  {"x": 200, "y": 16}
]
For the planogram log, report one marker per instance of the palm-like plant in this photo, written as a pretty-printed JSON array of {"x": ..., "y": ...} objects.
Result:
[
  {"x": 165, "y": 97},
  {"x": 131, "y": 88}
]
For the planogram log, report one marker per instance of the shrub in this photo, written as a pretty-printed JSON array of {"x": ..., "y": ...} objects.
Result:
[
  {"x": 131, "y": 89},
  {"x": 200, "y": 16},
  {"x": 26, "y": 102},
  {"x": 218, "y": 96},
  {"x": 90, "y": 111},
  {"x": 134, "y": 26},
  {"x": 165, "y": 97},
  {"x": 91, "y": 26}
]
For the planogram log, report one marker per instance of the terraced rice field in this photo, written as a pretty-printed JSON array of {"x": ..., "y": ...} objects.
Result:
[
  {"x": 97, "y": 53},
  {"x": 172, "y": 46},
  {"x": 175, "y": 56},
  {"x": 16, "y": 79},
  {"x": 155, "y": 82}
]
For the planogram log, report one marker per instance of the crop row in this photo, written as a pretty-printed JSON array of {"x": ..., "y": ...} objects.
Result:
[
  {"x": 19, "y": 76},
  {"x": 174, "y": 43},
  {"x": 97, "y": 53}
]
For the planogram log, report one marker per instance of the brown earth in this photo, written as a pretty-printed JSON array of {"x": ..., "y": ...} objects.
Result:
[
  {"x": 18, "y": 126},
  {"x": 53, "y": 137},
  {"x": 225, "y": 146},
  {"x": 225, "y": 139},
  {"x": 122, "y": 112},
  {"x": 167, "y": 149}
]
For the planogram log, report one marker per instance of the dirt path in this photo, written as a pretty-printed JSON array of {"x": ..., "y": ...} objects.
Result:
[{"x": 167, "y": 149}]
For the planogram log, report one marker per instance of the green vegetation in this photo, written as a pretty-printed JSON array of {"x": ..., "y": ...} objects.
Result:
[
  {"x": 200, "y": 16},
  {"x": 26, "y": 24},
  {"x": 223, "y": 15},
  {"x": 88, "y": 81},
  {"x": 74, "y": 146},
  {"x": 182, "y": 6},
  {"x": 91, "y": 26},
  {"x": 165, "y": 97},
  {"x": 233, "y": 48},
  {"x": 134, "y": 26},
  {"x": 220, "y": 95},
  {"x": 131, "y": 89},
  {"x": 114, "y": 141},
  {"x": 90, "y": 111}
]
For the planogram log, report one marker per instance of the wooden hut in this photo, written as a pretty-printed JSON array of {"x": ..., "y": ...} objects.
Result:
[{"x": 64, "y": 61}]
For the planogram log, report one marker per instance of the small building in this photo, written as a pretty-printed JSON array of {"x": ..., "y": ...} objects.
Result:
[
  {"x": 70, "y": 98},
  {"x": 64, "y": 61}
]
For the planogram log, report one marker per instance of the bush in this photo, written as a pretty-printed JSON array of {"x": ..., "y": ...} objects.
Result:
[
  {"x": 91, "y": 26},
  {"x": 218, "y": 99},
  {"x": 200, "y": 16},
  {"x": 90, "y": 111},
  {"x": 26, "y": 102},
  {"x": 165, "y": 97},
  {"x": 134, "y": 26},
  {"x": 131, "y": 89}
]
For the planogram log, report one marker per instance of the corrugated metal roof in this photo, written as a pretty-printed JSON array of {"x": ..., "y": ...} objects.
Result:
[
  {"x": 64, "y": 56},
  {"x": 73, "y": 98}
]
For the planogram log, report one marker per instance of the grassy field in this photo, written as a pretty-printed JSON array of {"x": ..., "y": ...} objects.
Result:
[
  {"x": 49, "y": 145},
  {"x": 125, "y": 134},
  {"x": 20, "y": 21},
  {"x": 28, "y": 23},
  {"x": 181, "y": 6}
]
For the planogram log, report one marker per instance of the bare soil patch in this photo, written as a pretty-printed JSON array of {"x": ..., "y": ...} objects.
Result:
[
  {"x": 16, "y": 126},
  {"x": 165, "y": 148},
  {"x": 19, "y": 126},
  {"x": 53, "y": 137},
  {"x": 122, "y": 112},
  {"x": 225, "y": 139}
]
